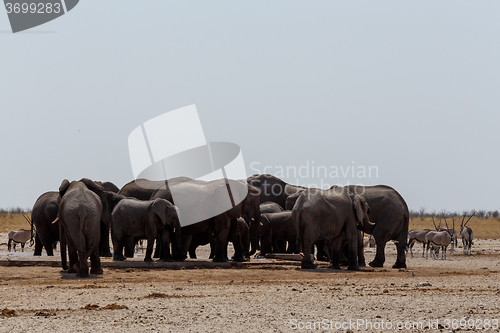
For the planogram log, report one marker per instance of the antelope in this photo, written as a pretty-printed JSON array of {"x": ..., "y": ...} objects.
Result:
[
  {"x": 416, "y": 236},
  {"x": 436, "y": 239},
  {"x": 453, "y": 234},
  {"x": 467, "y": 235},
  {"x": 19, "y": 236}
]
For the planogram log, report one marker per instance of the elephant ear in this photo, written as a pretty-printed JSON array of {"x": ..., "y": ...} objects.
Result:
[
  {"x": 358, "y": 207},
  {"x": 63, "y": 188},
  {"x": 264, "y": 224},
  {"x": 160, "y": 208},
  {"x": 91, "y": 185}
]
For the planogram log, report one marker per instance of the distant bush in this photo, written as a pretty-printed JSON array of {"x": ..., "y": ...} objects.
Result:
[
  {"x": 422, "y": 213},
  {"x": 13, "y": 210}
]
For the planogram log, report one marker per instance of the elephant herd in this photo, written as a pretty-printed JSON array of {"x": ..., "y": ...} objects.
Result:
[{"x": 272, "y": 216}]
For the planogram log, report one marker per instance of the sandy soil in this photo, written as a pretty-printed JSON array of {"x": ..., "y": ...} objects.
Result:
[{"x": 268, "y": 299}]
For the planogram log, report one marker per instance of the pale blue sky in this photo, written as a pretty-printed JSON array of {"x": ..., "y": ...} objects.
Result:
[{"x": 409, "y": 87}]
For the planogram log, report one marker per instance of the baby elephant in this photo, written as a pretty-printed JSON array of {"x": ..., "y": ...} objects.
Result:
[
  {"x": 276, "y": 230},
  {"x": 143, "y": 219},
  {"x": 19, "y": 236}
]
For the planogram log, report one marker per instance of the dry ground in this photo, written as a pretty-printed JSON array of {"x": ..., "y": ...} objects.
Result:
[
  {"x": 267, "y": 299},
  {"x": 271, "y": 298}
]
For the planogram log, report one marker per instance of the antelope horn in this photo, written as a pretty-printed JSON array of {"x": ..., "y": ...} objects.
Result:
[
  {"x": 434, "y": 223},
  {"x": 26, "y": 218},
  {"x": 461, "y": 225},
  {"x": 470, "y": 218},
  {"x": 448, "y": 228},
  {"x": 453, "y": 222},
  {"x": 56, "y": 220}
]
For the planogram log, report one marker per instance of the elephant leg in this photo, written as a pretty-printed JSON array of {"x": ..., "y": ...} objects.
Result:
[
  {"x": 352, "y": 245},
  {"x": 158, "y": 248},
  {"x": 38, "y": 246},
  {"x": 344, "y": 254},
  {"x": 129, "y": 244},
  {"x": 212, "y": 248},
  {"x": 335, "y": 252},
  {"x": 291, "y": 247},
  {"x": 118, "y": 243},
  {"x": 238, "y": 247},
  {"x": 222, "y": 226},
  {"x": 380, "y": 241},
  {"x": 149, "y": 249},
  {"x": 321, "y": 254},
  {"x": 95, "y": 262},
  {"x": 104, "y": 241},
  {"x": 83, "y": 265},
  {"x": 181, "y": 250},
  {"x": 266, "y": 243},
  {"x": 400, "y": 246},
  {"x": 281, "y": 245},
  {"x": 165, "y": 240},
  {"x": 192, "y": 252},
  {"x": 361, "y": 251},
  {"x": 307, "y": 241},
  {"x": 63, "y": 244}
]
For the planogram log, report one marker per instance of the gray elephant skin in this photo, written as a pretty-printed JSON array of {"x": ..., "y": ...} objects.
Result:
[
  {"x": 80, "y": 212},
  {"x": 144, "y": 220},
  {"x": 238, "y": 235},
  {"x": 272, "y": 188},
  {"x": 44, "y": 212},
  {"x": 389, "y": 212},
  {"x": 331, "y": 215},
  {"x": 256, "y": 229},
  {"x": 277, "y": 230},
  {"x": 220, "y": 224}
]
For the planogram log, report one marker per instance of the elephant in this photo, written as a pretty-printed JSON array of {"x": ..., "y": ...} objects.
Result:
[
  {"x": 278, "y": 229},
  {"x": 141, "y": 188},
  {"x": 265, "y": 207},
  {"x": 389, "y": 212},
  {"x": 80, "y": 212},
  {"x": 206, "y": 194},
  {"x": 144, "y": 189},
  {"x": 238, "y": 235},
  {"x": 272, "y": 188},
  {"x": 292, "y": 199},
  {"x": 200, "y": 239},
  {"x": 331, "y": 215},
  {"x": 270, "y": 207},
  {"x": 108, "y": 186},
  {"x": 44, "y": 212},
  {"x": 143, "y": 219}
]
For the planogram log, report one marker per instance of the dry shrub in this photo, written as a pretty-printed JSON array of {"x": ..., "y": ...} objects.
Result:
[{"x": 483, "y": 228}]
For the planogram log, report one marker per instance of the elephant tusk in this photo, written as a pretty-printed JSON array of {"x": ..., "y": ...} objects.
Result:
[
  {"x": 56, "y": 220},
  {"x": 370, "y": 223}
]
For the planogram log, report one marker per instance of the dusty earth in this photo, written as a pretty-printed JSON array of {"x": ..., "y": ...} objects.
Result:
[{"x": 269, "y": 298}]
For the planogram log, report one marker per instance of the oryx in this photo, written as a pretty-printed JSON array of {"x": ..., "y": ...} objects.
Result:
[
  {"x": 467, "y": 235},
  {"x": 19, "y": 237},
  {"x": 416, "y": 236},
  {"x": 453, "y": 234},
  {"x": 437, "y": 239}
]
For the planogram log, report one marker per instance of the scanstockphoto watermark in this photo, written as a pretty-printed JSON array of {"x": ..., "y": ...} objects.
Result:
[
  {"x": 387, "y": 325},
  {"x": 330, "y": 177},
  {"x": 310, "y": 170}
]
